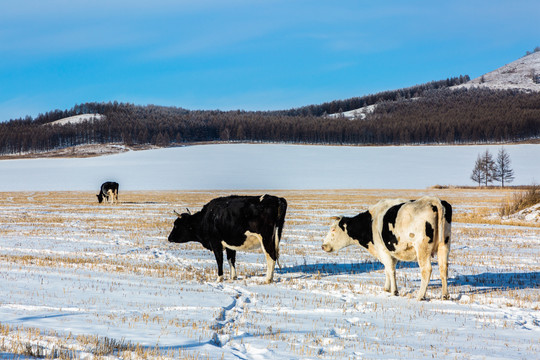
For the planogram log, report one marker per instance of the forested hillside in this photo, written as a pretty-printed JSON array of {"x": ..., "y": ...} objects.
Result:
[
  {"x": 439, "y": 115},
  {"x": 338, "y": 106}
]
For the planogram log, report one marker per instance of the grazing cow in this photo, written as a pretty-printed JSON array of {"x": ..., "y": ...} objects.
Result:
[
  {"x": 109, "y": 191},
  {"x": 397, "y": 229},
  {"x": 235, "y": 223}
]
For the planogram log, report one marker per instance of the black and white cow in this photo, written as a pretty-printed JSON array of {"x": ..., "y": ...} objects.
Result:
[
  {"x": 235, "y": 223},
  {"x": 109, "y": 191},
  {"x": 397, "y": 229}
]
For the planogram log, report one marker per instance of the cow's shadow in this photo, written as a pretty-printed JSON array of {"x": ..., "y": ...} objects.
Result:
[
  {"x": 477, "y": 283},
  {"x": 487, "y": 282},
  {"x": 329, "y": 269}
]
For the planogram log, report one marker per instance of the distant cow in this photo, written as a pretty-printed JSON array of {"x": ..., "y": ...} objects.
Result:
[
  {"x": 235, "y": 223},
  {"x": 397, "y": 229},
  {"x": 109, "y": 191}
]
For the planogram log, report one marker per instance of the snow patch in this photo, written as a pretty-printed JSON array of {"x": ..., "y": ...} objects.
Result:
[
  {"x": 356, "y": 114},
  {"x": 530, "y": 214},
  {"x": 77, "y": 119}
]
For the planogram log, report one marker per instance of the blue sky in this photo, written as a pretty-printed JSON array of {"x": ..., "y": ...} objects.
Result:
[{"x": 251, "y": 55}]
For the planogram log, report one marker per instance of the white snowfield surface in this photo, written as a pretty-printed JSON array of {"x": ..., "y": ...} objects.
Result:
[
  {"x": 266, "y": 166},
  {"x": 86, "y": 280}
]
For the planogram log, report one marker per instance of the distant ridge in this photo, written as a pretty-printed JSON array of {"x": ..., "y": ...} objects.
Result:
[
  {"x": 502, "y": 106},
  {"x": 522, "y": 74}
]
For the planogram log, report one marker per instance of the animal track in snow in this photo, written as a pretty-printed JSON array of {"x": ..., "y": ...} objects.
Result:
[{"x": 228, "y": 315}]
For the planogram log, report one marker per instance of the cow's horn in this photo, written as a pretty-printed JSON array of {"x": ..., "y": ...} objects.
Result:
[
  {"x": 177, "y": 213},
  {"x": 188, "y": 211}
]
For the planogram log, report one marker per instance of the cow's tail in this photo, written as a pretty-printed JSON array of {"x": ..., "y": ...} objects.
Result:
[
  {"x": 443, "y": 249},
  {"x": 276, "y": 242},
  {"x": 441, "y": 223},
  {"x": 282, "y": 210}
]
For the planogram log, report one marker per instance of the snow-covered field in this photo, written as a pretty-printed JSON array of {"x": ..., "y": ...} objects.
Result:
[
  {"x": 266, "y": 166},
  {"x": 81, "y": 280}
]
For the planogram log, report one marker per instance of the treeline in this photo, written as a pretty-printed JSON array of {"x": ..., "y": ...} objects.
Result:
[
  {"x": 438, "y": 116},
  {"x": 462, "y": 116},
  {"x": 338, "y": 106}
]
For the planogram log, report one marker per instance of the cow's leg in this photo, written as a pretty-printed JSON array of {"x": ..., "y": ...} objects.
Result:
[
  {"x": 218, "y": 252},
  {"x": 390, "y": 273},
  {"x": 270, "y": 253},
  {"x": 424, "y": 261},
  {"x": 442, "y": 258},
  {"x": 231, "y": 258},
  {"x": 110, "y": 196},
  {"x": 386, "y": 281},
  {"x": 270, "y": 265},
  {"x": 116, "y": 197}
]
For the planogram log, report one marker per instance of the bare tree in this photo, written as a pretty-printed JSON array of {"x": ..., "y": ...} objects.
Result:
[
  {"x": 484, "y": 169},
  {"x": 503, "y": 172},
  {"x": 477, "y": 174},
  {"x": 488, "y": 167}
]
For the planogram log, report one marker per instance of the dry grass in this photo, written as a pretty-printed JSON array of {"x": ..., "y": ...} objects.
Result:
[
  {"x": 27, "y": 341},
  {"x": 520, "y": 200},
  {"x": 142, "y": 221}
]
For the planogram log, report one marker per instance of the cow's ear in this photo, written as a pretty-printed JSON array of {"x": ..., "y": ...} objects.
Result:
[{"x": 336, "y": 218}]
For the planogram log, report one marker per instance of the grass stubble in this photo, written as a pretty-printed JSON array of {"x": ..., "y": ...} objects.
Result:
[{"x": 142, "y": 220}]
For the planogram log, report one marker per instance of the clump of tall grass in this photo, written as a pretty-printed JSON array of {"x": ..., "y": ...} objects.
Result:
[{"x": 521, "y": 200}]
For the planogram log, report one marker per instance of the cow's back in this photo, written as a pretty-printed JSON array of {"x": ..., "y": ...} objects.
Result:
[
  {"x": 233, "y": 215},
  {"x": 401, "y": 226},
  {"x": 378, "y": 211},
  {"x": 109, "y": 185}
]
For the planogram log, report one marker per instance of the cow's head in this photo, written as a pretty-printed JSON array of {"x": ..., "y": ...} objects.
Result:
[
  {"x": 99, "y": 198},
  {"x": 183, "y": 230},
  {"x": 337, "y": 238}
]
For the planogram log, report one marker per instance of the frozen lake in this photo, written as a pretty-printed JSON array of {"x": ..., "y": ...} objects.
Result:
[{"x": 267, "y": 166}]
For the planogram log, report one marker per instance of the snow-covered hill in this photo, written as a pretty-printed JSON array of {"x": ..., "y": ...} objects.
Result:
[{"x": 523, "y": 74}]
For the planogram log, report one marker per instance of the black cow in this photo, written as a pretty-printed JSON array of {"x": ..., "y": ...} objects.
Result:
[
  {"x": 235, "y": 223},
  {"x": 109, "y": 190}
]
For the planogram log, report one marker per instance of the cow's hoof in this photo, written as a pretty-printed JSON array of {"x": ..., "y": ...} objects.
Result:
[
  {"x": 219, "y": 279},
  {"x": 268, "y": 281},
  {"x": 396, "y": 293},
  {"x": 445, "y": 297}
]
